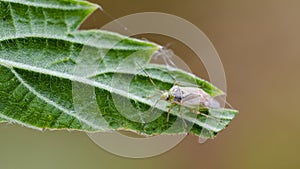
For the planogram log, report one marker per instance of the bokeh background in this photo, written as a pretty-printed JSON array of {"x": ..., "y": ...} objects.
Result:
[{"x": 259, "y": 44}]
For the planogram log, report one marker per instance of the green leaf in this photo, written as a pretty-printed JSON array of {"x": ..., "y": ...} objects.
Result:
[
  {"x": 2, "y": 120},
  {"x": 42, "y": 17},
  {"x": 56, "y": 77}
]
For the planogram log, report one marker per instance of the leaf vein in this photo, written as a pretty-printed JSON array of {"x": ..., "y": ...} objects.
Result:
[
  {"x": 12, "y": 18},
  {"x": 52, "y": 102}
]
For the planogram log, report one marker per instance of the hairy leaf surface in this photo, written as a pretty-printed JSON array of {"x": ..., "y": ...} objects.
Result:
[{"x": 54, "y": 76}]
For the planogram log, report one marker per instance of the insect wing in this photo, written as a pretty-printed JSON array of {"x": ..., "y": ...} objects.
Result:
[{"x": 196, "y": 97}]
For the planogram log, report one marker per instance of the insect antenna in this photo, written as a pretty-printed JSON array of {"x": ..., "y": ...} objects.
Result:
[
  {"x": 118, "y": 23},
  {"x": 149, "y": 77},
  {"x": 153, "y": 85}
]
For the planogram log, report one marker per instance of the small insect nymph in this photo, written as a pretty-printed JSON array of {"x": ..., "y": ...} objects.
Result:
[{"x": 189, "y": 97}]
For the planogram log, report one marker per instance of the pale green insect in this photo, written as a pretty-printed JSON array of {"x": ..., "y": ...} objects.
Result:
[
  {"x": 192, "y": 98},
  {"x": 189, "y": 97}
]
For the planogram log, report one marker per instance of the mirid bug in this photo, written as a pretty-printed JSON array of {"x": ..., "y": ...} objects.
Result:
[{"x": 191, "y": 98}]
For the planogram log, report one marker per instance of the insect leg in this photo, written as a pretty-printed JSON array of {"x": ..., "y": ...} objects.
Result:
[
  {"x": 154, "y": 105},
  {"x": 205, "y": 115},
  {"x": 196, "y": 111},
  {"x": 226, "y": 103},
  {"x": 150, "y": 97},
  {"x": 171, "y": 107},
  {"x": 180, "y": 113},
  {"x": 141, "y": 129}
]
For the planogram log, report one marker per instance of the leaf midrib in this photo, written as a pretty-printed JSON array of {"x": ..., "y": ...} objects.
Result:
[{"x": 75, "y": 41}]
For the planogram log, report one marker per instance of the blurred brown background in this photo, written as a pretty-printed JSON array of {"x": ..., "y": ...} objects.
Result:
[{"x": 258, "y": 43}]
